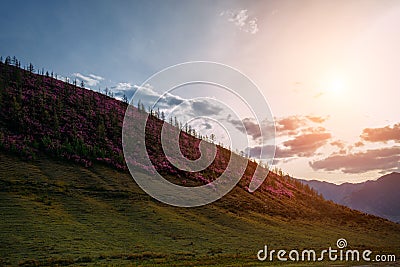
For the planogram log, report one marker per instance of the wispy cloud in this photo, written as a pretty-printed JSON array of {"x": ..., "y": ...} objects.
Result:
[
  {"x": 383, "y": 159},
  {"x": 242, "y": 20},
  {"x": 265, "y": 129},
  {"x": 306, "y": 145},
  {"x": 122, "y": 86},
  {"x": 319, "y": 94},
  {"x": 96, "y": 77},
  {"x": 89, "y": 80},
  {"x": 383, "y": 134},
  {"x": 122, "y": 90},
  {"x": 167, "y": 102},
  {"x": 338, "y": 143},
  {"x": 302, "y": 135},
  {"x": 349, "y": 158},
  {"x": 146, "y": 90},
  {"x": 295, "y": 125}
]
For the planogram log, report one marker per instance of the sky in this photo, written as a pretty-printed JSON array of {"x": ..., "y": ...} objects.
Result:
[{"x": 328, "y": 69}]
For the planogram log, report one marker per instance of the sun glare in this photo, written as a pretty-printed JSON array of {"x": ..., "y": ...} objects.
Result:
[
  {"x": 336, "y": 86},
  {"x": 333, "y": 85}
]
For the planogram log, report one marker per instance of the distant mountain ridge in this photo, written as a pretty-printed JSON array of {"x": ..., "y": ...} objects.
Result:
[{"x": 380, "y": 197}]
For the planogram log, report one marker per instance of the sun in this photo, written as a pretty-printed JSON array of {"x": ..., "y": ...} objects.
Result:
[
  {"x": 336, "y": 86},
  {"x": 333, "y": 85}
]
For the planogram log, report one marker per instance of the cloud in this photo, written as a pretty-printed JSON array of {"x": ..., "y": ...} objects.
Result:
[
  {"x": 237, "y": 123},
  {"x": 295, "y": 125},
  {"x": 306, "y": 145},
  {"x": 305, "y": 136},
  {"x": 242, "y": 20},
  {"x": 338, "y": 143},
  {"x": 266, "y": 150},
  {"x": 96, "y": 77},
  {"x": 90, "y": 80},
  {"x": 384, "y": 134},
  {"x": 148, "y": 96},
  {"x": 253, "y": 129},
  {"x": 173, "y": 100},
  {"x": 146, "y": 90},
  {"x": 206, "y": 125},
  {"x": 256, "y": 152},
  {"x": 384, "y": 159},
  {"x": 204, "y": 108},
  {"x": 318, "y": 94},
  {"x": 359, "y": 144},
  {"x": 317, "y": 119},
  {"x": 123, "y": 86},
  {"x": 290, "y": 123},
  {"x": 344, "y": 147},
  {"x": 123, "y": 89}
]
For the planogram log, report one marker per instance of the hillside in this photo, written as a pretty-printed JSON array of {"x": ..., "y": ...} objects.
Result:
[
  {"x": 67, "y": 198},
  {"x": 41, "y": 115},
  {"x": 380, "y": 197}
]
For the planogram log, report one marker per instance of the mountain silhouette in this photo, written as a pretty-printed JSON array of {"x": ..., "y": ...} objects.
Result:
[{"x": 380, "y": 197}]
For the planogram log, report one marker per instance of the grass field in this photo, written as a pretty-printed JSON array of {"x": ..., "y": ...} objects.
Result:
[{"x": 57, "y": 213}]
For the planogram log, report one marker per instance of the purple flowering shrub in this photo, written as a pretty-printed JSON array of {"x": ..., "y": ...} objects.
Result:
[{"x": 40, "y": 114}]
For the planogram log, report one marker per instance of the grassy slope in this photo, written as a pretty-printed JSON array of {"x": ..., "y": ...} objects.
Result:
[{"x": 55, "y": 212}]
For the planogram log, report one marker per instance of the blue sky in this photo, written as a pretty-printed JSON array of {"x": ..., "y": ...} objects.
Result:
[
  {"x": 328, "y": 69},
  {"x": 121, "y": 41}
]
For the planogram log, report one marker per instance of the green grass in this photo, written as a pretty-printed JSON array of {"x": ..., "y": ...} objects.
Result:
[{"x": 57, "y": 213}]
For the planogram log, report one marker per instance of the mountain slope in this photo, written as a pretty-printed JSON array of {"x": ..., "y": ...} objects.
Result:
[
  {"x": 67, "y": 198},
  {"x": 41, "y": 115},
  {"x": 380, "y": 197},
  {"x": 330, "y": 191}
]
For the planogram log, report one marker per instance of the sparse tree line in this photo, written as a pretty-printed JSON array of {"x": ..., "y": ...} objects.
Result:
[
  {"x": 187, "y": 128},
  {"x": 13, "y": 61}
]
